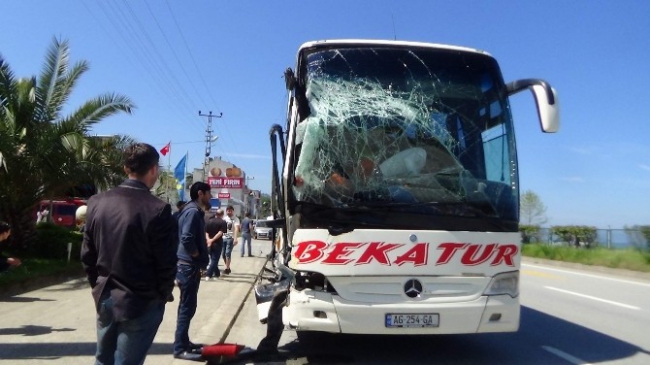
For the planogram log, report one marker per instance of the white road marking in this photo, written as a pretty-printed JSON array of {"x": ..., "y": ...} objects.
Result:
[
  {"x": 589, "y": 275},
  {"x": 570, "y": 358},
  {"x": 593, "y": 298}
]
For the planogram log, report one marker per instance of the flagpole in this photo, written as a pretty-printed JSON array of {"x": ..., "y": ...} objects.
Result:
[
  {"x": 187, "y": 153},
  {"x": 169, "y": 170}
]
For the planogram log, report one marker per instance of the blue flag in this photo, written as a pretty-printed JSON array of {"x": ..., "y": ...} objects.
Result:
[
  {"x": 179, "y": 174},
  {"x": 179, "y": 171}
]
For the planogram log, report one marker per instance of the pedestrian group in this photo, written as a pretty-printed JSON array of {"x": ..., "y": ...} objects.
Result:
[{"x": 135, "y": 251}]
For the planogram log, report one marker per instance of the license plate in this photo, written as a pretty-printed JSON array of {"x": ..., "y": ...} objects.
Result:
[{"x": 412, "y": 320}]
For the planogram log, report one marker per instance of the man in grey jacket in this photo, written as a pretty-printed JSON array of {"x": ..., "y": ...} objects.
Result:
[{"x": 192, "y": 258}]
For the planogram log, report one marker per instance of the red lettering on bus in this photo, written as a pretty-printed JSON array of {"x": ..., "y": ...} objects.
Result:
[
  {"x": 377, "y": 251},
  {"x": 484, "y": 253},
  {"x": 339, "y": 253},
  {"x": 343, "y": 253},
  {"x": 418, "y": 255},
  {"x": 309, "y": 251},
  {"x": 448, "y": 251},
  {"x": 505, "y": 253}
]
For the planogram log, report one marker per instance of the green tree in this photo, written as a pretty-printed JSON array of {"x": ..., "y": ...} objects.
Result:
[
  {"x": 265, "y": 206},
  {"x": 43, "y": 153},
  {"x": 529, "y": 233},
  {"x": 532, "y": 210},
  {"x": 166, "y": 187},
  {"x": 584, "y": 235}
]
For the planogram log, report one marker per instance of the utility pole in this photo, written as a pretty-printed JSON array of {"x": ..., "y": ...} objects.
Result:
[{"x": 208, "y": 142}]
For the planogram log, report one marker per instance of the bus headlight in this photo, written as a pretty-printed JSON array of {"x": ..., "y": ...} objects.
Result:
[{"x": 504, "y": 283}]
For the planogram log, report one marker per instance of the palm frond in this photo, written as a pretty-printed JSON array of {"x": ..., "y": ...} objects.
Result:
[
  {"x": 7, "y": 84},
  {"x": 74, "y": 143},
  {"x": 66, "y": 86},
  {"x": 103, "y": 106},
  {"x": 3, "y": 164},
  {"x": 55, "y": 68}
]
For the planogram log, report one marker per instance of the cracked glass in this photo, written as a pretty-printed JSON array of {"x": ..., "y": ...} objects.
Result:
[{"x": 413, "y": 127}]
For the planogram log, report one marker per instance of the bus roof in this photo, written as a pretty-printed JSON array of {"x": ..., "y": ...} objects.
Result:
[{"x": 392, "y": 43}]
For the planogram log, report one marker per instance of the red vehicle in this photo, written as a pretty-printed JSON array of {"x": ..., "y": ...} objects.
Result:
[{"x": 62, "y": 210}]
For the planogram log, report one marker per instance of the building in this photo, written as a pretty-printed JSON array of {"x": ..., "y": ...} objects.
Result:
[{"x": 228, "y": 186}]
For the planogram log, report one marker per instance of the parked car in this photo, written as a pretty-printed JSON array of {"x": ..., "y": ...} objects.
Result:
[{"x": 262, "y": 230}]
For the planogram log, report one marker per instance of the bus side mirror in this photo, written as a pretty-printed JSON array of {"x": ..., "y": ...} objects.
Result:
[{"x": 548, "y": 106}]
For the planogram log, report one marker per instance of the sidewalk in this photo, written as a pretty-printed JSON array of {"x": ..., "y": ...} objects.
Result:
[{"x": 56, "y": 324}]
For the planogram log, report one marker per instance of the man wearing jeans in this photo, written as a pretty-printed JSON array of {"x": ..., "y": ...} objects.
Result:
[
  {"x": 230, "y": 237},
  {"x": 129, "y": 255},
  {"x": 192, "y": 258},
  {"x": 246, "y": 228},
  {"x": 214, "y": 230}
]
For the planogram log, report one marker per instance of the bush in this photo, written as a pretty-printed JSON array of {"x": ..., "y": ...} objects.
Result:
[{"x": 52, "y": 242}]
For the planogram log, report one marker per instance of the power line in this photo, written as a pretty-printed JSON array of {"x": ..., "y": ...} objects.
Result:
[{"x": 154, "y": 69}]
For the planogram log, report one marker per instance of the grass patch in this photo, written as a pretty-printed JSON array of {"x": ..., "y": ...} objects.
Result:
[
  {"x": 629, "y": 259},
  {"x": 34, "y": 268}
]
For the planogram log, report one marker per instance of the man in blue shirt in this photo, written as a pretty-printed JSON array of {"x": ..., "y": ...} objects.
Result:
[{"x": 192, "y": 258}]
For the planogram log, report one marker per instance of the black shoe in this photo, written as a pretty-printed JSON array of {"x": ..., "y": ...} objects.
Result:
[
  {"x": 250, "y": 255},
  {"x": 189, "y": 356},
  {"x": 227, "y": 271},
  {"x": 195, "y": 346}
]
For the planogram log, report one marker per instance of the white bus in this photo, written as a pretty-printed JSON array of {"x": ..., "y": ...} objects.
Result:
[{"x": 397, "y": 191}]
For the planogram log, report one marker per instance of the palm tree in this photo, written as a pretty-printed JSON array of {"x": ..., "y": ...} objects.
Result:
[
  {"x": 166, "y": 187},
  {"x": 44, "y": 153}
]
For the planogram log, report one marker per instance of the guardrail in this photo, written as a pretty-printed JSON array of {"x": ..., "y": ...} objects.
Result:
[{"x": 610, "y": 238}]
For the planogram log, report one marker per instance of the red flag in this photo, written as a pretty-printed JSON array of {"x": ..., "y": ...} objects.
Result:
[{"x": 165, "y": 150}]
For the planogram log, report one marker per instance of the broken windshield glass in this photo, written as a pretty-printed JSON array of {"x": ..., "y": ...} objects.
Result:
[{"x": 405, "y": 126}]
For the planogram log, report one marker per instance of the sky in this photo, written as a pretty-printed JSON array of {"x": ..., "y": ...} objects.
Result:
[{"x": 176, "y": 58}]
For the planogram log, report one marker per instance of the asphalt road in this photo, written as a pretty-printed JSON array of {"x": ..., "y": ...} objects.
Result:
[{"x": 569, "y": 316}]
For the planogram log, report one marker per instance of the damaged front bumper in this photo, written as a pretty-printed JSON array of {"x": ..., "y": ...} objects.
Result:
[{"x": 311, "y": 310}]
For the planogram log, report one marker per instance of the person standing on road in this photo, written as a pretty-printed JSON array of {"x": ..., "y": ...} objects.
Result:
[
  {"x": 129, "y": 255},
  {"x": 230, "y": 237},
  {"x": 6, "y": 262},
  {"x": 192, "y": 258},
  {"x": 246, "y": 230},
  {"x": 214, "y": 230}
]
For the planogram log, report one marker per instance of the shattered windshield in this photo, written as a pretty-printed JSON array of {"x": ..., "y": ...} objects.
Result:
[{"x": 408, "y": 128}]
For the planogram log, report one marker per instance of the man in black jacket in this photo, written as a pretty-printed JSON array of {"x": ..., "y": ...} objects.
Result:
[{"x": 129, "y": 254}]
